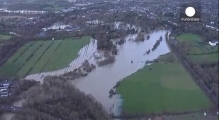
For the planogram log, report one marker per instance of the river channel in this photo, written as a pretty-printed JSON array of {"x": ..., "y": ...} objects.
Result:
[{"x": 101, "y": 80}]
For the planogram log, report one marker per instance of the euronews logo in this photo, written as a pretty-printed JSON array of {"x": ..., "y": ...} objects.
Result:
[{"x": 190, "y": 12}]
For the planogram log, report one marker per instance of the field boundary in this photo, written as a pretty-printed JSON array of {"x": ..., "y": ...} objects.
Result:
[
  {"x": 28, "y": 59},
  {"x": 39, "y": 58},
  {"x": 23, "y": 52}
]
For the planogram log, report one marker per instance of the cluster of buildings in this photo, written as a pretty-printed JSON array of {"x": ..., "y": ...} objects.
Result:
[
  {"x": 6, "y": 88},
  {"x": 22, "y": 11},
  {"x": 62, "y": 27}
]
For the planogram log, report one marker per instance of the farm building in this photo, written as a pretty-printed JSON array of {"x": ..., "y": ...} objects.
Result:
[{"x": 213, "y": 42}]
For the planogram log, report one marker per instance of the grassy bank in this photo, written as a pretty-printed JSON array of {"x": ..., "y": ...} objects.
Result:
[
  {"x": 162, "y": 87},
  {"x": 41, "y": 56}
]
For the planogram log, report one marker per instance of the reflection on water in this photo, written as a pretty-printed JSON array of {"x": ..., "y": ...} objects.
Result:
[{"x": 99, "y": 82}]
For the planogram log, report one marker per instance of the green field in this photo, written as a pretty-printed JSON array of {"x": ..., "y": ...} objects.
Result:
[
  {"x": 42, "y": 56},
  {"x": 167, "y": 87},
  {"x": 189, "y": 37},
  {"x": 196, "y": 48},
  {"x": 66, "y": 53},
  {"x": 4, "y": 37}
]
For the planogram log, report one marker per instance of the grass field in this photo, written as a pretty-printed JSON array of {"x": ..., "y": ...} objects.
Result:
[
  {"x": 42, "y": 56},
  {"x": 197, "y": 48},
  {"x": 65, "y": 54},
  {"x": 189, "y": 37},
  {"x": 201, "y": 58},
  {"x": 4, "y": 37},
  {"x": 165, "y": 88}
]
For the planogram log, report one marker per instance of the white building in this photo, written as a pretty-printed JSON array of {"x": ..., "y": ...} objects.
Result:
[{"x": 213, "y": 43}]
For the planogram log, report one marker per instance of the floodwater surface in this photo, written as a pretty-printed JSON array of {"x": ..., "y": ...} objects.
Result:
[{"x": 101, "y": 80}]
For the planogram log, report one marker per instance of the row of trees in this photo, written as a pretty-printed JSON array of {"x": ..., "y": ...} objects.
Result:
[
  {"x": 61, "y": 100},
  {"x": 206, "y": 70}
]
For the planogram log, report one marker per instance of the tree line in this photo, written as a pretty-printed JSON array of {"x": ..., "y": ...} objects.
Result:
[{"x": 60, "y": 99}]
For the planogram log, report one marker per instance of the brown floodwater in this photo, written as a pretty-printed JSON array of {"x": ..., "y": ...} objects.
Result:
[{"x": 101, "y": 80}]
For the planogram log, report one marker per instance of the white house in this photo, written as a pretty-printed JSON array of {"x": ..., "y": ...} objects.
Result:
[{"x": 213, "y": 43}]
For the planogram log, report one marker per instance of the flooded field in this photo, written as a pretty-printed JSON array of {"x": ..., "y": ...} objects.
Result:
[{"x": 131, "y": 57}]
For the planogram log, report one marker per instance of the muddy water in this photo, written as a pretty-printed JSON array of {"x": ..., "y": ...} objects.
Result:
[{"x": 99, "y": 82}]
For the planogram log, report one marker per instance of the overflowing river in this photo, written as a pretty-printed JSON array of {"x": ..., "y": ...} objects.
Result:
[{"x": 101, "y": 80}]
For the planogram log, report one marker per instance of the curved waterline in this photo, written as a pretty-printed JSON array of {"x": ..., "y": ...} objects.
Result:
[{"x": 101, "y": 80}]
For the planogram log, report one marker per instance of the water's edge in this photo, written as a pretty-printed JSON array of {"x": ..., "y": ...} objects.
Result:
[{"x": 101, "y": 80}]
